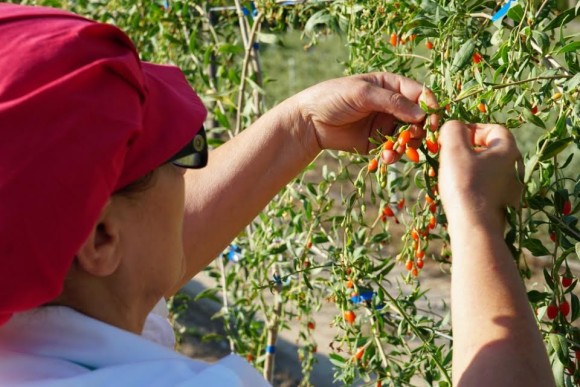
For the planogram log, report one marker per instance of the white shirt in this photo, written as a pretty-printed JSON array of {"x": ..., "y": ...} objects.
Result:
[{"x": 56, "y": 346}]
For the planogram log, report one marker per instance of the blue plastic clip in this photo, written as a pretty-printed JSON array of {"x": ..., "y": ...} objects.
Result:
[
  {"x": 503, "y": 11},
  {"x": 234, "y": 253},
  {"x": 271, "y": 349},
  {"x": 362, "y": 297}
]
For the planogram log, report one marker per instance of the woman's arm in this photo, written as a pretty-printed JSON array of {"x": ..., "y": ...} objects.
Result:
[
  {"x": 245, "y": 173},
  {"x": 496, "y": 341}
]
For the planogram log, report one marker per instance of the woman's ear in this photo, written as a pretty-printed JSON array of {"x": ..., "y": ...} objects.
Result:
[{"x": 99, "y": 254}]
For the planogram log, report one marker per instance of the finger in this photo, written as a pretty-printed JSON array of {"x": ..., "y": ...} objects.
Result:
[
  {"x": 455, "y": 136},
  {"x": 387, "y": 101},
  {"x": 417, "y": 136},
  {"x": 430, "y": 100},
  {"x": 390, "y": 156},
  {"x": 495, "y": 137}
]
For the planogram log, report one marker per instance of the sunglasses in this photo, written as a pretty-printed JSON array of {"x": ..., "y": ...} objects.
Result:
[{"x": 194, "y": 153}]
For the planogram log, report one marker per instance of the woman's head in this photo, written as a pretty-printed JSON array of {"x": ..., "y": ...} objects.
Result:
[{"x": 81, "y": 117}]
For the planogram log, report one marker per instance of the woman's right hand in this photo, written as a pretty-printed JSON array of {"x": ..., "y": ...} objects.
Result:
[{"x": 478, "y": 176}]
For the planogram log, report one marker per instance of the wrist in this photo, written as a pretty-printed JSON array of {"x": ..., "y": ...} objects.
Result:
[{"x": 301, "y": 127}]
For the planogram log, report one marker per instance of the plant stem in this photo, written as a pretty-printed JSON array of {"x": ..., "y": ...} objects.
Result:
[{"x": 504, "y": 85}]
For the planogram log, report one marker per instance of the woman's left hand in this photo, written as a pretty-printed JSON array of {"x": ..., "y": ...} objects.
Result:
[{"x": 344, "y": 113}]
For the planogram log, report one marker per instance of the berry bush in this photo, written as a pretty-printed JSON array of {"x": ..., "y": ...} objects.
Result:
[{"x": 355, "y": 232}]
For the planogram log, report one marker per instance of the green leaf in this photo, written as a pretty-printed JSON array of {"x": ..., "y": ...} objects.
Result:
[
  {"x": 560, "y": 345},
  {"x": 463, "y": 56},
  {"x": 337, "y": 360},
  {"x": 516, "y": 13},
  {"x": 535, "y": 296},
  {"x": 564, "y": 18},
  {"x": 536, "y": 247},
  {"x": 555, "y": 147},
  {"x": 548, "y": 279},
  {"x": 575, "y": 306},
  {"x": 574, "y": 46},
  {"x": 529, "y": 116}
]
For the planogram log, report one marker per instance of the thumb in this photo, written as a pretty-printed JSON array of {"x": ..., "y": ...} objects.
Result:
[{"x": 456, "y": 137}]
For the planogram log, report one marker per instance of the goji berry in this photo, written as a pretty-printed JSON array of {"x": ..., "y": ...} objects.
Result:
[
  {"x": 481, "y": 107},
  {"x": 349, "y": 284},
  {"x": 552, "y": 311},
  {"x": 359, "y": 353},
  {"x": 553, "y": 236},
  {"x": 429, "y": 45},
  {"x": 415, "y": 235},
  {"x": 567, "y": 281},
  {"x": 349, "y": 316},
  {"x": 432, "y": 222},
  {"x": 389, "y": 144},
  {"x": 401, "y": 204},
  {"x": 534, "y": 110},
  {"x": 566, "y": 207},
  {"x": 409, "y": 265},
  {"x": 311, "y": 325},
  {"x": 250, "y": 357},
  {"x": 404, "y": 137},
  {"x": 412, "y": 155},
  {"x": 309, "y": 244},
  {"x": 373, "y": 165},
  {"x": 564, "y": 308},
  {"x": 420, "y": 263},
  {"x": 477, "y": 57},
  {"x": 394, "y": 39},
  {"x": 433, "y": 146},
  {"x": 420, "y": 254},
  {"x": 428, "y": 199},
  {"x": 415, "y": 272},
  {"x": 387, "y": 211},
  {"x": 431, "y": 172}
]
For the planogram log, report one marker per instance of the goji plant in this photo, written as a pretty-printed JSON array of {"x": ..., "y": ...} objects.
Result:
[{"x": 357, "y": 233}]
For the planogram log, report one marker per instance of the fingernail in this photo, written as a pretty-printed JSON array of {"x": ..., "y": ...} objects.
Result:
[{"x": 418, "y": 113}]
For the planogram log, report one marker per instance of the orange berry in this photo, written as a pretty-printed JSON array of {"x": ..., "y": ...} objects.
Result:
[
  {"x": 389, "y": 144},
  {"x": 409, "y": 265},
  {"x": 420, "y": 254},
  {"x": 477, "y": 58},
  {"x": 481, "y": 107},
  {"x": 428, "y": 199},
  {"x": 415, "y": 235},
  {"x": 349, "y": 316},
  {"x": 412, "y": 155},
  {"x": 349, "y": 284},
  {"x": 431, "y": 172},
  {"x": 432, "y": 223},
  {"x": 404, "y": 137},
  {"x": 429, "y": 45},
  {"x": 373, "y": 165},
  {"x": 359, "y": 353},
  {"x": 394, "y": 39},
  {"x": 415, "y": 272},
  {"x": 420, "y": 263}
]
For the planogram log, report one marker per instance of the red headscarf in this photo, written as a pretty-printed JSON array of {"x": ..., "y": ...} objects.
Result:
[{"x": 80, "y": 117}]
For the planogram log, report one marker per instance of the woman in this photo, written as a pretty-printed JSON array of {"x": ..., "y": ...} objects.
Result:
[{"x": 93, "y": 193}]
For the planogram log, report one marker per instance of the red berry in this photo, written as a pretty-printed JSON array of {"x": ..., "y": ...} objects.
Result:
[
  {"x": 311, "y": 325},
  {"x": 429, "y": 45},
  {"x": 359, "y": 353},
  {"x": 349, "y": 316},
  {"x": 415, "y": 272},
  {"x": 420, "y": 263},
  {"x": 433, "y": 208},
  {"x": 409, "y": 265},
  {"x": 552, "y": 311},
  {"x": 388, "y": 212},
  {"x": 433, "y": 146},
  {"x": 577, "y": 353},
  {"x": 250, "y": 357},
  {"x": 412, "y": 154},
  {"x": 401, "y": 204},
  {"x": 373, "y": 165},
  {"x": 534, "y": 110},
  {"x": 567, "y": 207},
  {"x": 419, "y": 254},
  {"x": 415, "y": 235},
  {"x": 567, "y": 281},
  {"x": 432, "y": 223},
  {"x": 553, "y": 236},
  {"x": 565, "y": 308},
  {"x": 477, "y": 58}
]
